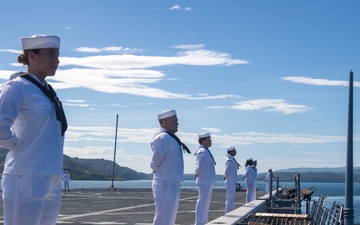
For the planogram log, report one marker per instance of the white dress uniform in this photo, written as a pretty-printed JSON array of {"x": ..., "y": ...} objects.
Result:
[
  {"x": 167, "y": 161},
  {"x": 67, "y": 180},
  {"x": 250, "y": 180},
  {"x": 31, "y": 180},
  {"x": 267, "y": 179},
  {"x": 206, "y": 177},
  {"x": 231, "y": 168}
]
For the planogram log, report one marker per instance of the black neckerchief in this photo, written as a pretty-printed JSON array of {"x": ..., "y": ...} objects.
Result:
[
  {"x": 185, "y": 148},
  {"x": 237, "y": 164},
  {"x": 50, "y": 93}
]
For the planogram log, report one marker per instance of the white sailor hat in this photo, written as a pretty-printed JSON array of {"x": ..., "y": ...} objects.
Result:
[
  {"x": 204, "y": 135},
  {"x": 39, "y": 41},
  {"x": 166, "y": 114},
  {"x": 230, "y": 148}
]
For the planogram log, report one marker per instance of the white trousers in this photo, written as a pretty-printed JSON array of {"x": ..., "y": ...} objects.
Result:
[
  {"x": 250, "y": 190},
  {"x": 166, "y": 196},
  {"x": 268, "y": 186},
  {"x": 66, "y": 185},
  {"x": 230, "y": 196},
  {"x": 31, "y": 200},
  {"x": 203, "y": 203}
]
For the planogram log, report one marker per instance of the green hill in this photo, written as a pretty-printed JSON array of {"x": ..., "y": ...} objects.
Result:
[{"x": 92, "y": 169}]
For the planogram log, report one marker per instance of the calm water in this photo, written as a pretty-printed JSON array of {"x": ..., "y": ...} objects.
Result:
[{"x": 332, "y": 191}]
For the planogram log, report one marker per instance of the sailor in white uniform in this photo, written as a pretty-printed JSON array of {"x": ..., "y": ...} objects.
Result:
[
  {"x": 67, "y": 180},
  {"x": 168, "y": 169},
  {"x": 250, "y": 180},
  {"x": 268, "y": 180},
  {"x": 33, "y": 131},
  {"x": 205, "y": 178},
  {"x": 230, "y": 177}
]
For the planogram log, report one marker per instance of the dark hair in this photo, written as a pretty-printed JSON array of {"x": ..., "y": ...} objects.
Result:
[
  {"x": 202, "y": 139},
  {"x": 23, "y": 57},
  {"x": 249, "y": 162}
]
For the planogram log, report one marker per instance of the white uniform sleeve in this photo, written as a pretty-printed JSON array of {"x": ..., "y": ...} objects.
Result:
[
  {"x": 159, "y": 151},
  {"x": 200, "y": 162},
  {"x": 11, "y": 98},
  {"x": 227, "y": 168}
]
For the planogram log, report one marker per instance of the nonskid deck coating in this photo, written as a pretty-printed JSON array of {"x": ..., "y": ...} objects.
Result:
[{"x": 125, "y": 207}]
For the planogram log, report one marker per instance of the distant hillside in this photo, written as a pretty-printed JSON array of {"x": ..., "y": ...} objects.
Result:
[
  {"x": 92, "y": 169},
  {"x": 101, "y": 169},
  {"x": 313, "y": 169},
  {"x": 324, "y": 176}
]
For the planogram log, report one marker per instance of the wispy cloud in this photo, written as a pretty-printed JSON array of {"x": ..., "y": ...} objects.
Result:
[
  {"x": 203, "y": 96},
  {"x": 175, "y": 7},
  {"x": 192, "y": 57},
  {"x": 11, "y": 51},
  {"x": 110, "y": 49},
  {"x": 270, "y": 105},
  {"x": 198, "y": 46},
  {"x": 77, "y": 103},
  {"x": 211, "y": 129},
  {"x": 188, "y": 9},
  {"x": 130, "y": 73},
  {"x": 105, "y": 134},
  {"x": 319, "y": 82},
  {"x": 102, "y": 140}
]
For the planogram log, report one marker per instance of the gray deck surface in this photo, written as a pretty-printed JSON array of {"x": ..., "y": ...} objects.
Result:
[{"x": 109, "y": 207}]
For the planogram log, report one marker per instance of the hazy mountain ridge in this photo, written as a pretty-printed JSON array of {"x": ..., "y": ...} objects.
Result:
[
  {"x": 313, "y": 169},
  {"x": 102, "y": 169}
]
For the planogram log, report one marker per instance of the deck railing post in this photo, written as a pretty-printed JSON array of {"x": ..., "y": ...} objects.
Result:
[
  {"x": 270, "y": 192},
  {"x": 349, "y": 204}
]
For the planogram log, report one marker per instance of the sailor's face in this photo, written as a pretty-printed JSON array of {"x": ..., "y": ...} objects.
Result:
[
  {"x": 44, "y": 63},
  {"x": 172, "y": 124},
  {"x": 207, "y": 142}
]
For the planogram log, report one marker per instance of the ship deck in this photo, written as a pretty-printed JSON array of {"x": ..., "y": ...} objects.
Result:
[{"x": 131, "y": 206}]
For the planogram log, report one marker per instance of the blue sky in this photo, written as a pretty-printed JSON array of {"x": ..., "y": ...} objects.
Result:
[{"x": 268, "y": 77}]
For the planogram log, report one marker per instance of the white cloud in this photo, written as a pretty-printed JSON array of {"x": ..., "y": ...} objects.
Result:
[
  {"x": 98, "y": 142},
  {"x": 203, "y": 96},
  {"x": 143, "y": 135},
  {"x": 192, "y": 57},
  {"x": 76, "y": 105},
  {"x": 187, "y": 9},
  {"x": 270, "y": 105},
  {"x": 211, "y": 130},
  {"x": 193, "y": 46},
  {"x": 107, "y": 49},
  {"x": 75, "y": 101},
  {"x": 175, "y": 7},
  {"x": 132, "y": 74},
  {"x": 320, "y": 82},
  {"x": 11, "y": 51}
]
